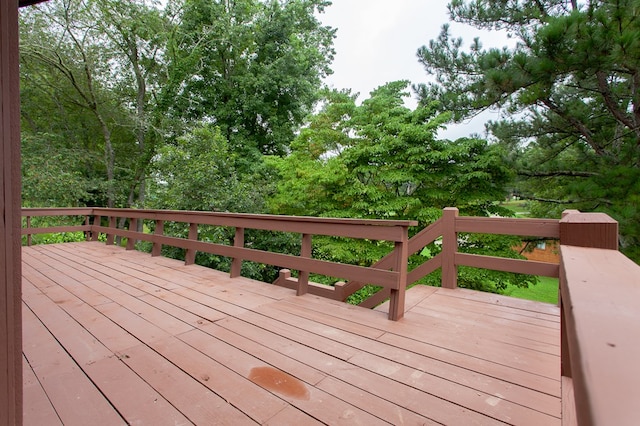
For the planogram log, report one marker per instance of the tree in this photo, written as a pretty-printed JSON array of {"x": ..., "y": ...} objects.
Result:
[
  {"x": 381, "y": 160},
  {"x": 93, "y": 63},
  {"x": 138, "y": 33},
  {"x": 198, "y": 173},
  {"x": 571, "y": 88},
  {"x": 250, "y": 67},
  {"x": 66, "y": 47}
]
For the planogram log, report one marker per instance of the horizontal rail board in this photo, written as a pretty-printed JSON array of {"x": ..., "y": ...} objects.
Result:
[
  {"x": 57, "y": 211},
  {"x": 600, "y": 298},
  {"x": 425, "y": 269},
  {"x": 370, "y": 275},
  {"x": 425, "y": 237},
  {"x": 354, "y": 228},
  {"x": 529, "y": 267},
  {"x": 56, "y": 229},
  {"x": 545, "y": 228}
]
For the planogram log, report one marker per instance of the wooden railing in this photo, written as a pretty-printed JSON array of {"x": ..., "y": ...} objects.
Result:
[
  {"x": 600, "y": 323},
  {"x": 599, "y": 287},
  {"x": 395, "y": 231},
  {"x": 448, "y": 227}
]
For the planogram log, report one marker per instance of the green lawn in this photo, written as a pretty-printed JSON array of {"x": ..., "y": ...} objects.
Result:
[
  {"x": 545, "y": 291},
  {"x": 519, "y": 207}
]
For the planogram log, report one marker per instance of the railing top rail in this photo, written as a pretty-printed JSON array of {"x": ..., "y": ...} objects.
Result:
[
  {"x": 600, "y": 297},
  {"x": 375, "y": 229},
  {"x": 280, "y": 218},
  {"x": 147, "y": 213},
  {"x": 544, "y": 228},
  {"x": 56, "y": 211}
]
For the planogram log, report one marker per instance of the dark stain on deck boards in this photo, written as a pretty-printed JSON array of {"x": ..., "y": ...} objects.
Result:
[{"x": 279, "y": 381}]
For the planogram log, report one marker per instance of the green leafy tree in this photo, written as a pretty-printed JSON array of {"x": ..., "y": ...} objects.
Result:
[
  {"x": 198, "y": 173},
  {"x": 381, "y": 160},
  {"x": 251, "y": 67},
  {"x": 87, "y": 70},
  {"x": 570, "y": 87}
]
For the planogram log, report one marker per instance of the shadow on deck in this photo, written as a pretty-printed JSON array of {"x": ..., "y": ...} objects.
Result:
[{"x": 116, "y": 337}]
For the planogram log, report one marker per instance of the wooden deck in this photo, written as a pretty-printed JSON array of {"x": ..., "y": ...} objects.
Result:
[{"x": 118, "y": 337}]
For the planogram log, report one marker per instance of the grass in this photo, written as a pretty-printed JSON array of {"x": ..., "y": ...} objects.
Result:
[
  {"x": 545, "y": 291},
  {"x": 519, "y": 207}
]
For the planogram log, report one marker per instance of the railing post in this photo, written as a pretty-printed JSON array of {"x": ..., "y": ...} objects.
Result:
[
  {"x": 303, "y": 276},
  {"x": 87, "y": 234},
  {"x": 397, "y": 296},
  {"x": 110, "y": 235},
  {"x": 596, "y": 230},
  {"x": 29, "y": 234},
  {"x": 131, "y": 242},
  {"x": 95, "y": 234},
  {"x": 156, "y": 249},
  {"x": 449, "y": 248},
  {"x": 236, "y": 263},
  {"x": 190, "y": 257}
]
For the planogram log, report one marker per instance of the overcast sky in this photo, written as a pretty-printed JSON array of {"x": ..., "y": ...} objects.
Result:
[{"x": 377, "y": 42}]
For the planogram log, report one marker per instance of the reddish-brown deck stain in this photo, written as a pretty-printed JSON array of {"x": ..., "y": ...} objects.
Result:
[{"x": 279, "y": 381}]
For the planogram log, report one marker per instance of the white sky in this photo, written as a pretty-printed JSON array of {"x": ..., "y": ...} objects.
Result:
[{"x": 377, "y": 42}]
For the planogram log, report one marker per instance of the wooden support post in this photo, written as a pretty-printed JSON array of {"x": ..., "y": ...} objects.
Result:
[
  {"x": 29, "y": 227},
  {"x": 10, "y": 220},
  {"x": 190, "y": 257},
  {"x": 110, "y": 234},
  {"x": 449, "y": 248},
  {"x": 95, "y": 235},
  {"x": 236, "y": 263},
  {"x": 156, "y": 249},
  {"x": 87, "y": 222},
  {"x": 303, "y": 276},
  {"x": 131, "y": 242},
  {"x": 397, "y": 296}
]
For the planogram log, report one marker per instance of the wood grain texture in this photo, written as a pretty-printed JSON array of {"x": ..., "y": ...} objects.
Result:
[
  {"x": 188, "y": 338},
  {"x": 10, "y": 219},
  {"x": 600, "y": 295}
]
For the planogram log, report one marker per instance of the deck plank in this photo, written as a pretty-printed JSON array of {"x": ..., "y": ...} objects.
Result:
[
  {"x": 149, "y": 340},
  {"x": 40, "y": 410},
  {"x": 428, "y": 367},
  {"x": 76, "y": 399}
]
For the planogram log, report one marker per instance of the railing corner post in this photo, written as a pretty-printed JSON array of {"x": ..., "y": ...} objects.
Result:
[
  {"x": 449, "y": 248},
  {"x": 596, "y": 230}
]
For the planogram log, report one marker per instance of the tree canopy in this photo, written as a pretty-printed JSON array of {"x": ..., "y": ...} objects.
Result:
[
  {"x": 569, "y": 90},
  {"x": 251, "y": 67},
  {"x": 382, "y": 160}
]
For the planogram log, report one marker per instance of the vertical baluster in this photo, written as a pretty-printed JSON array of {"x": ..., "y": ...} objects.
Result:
[
  {"x": 131, "y": 242},
  {"x": 303, "y": 276},
  {"x": 190, "y": 257},
  {"x": 236, "y": 264},
  {"x": 156, "y": 250}
]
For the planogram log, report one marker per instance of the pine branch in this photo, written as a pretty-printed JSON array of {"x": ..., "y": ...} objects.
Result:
[{"x": 546, "y": 200}]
